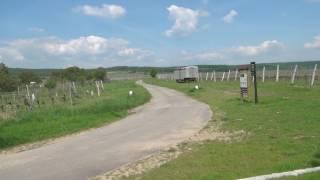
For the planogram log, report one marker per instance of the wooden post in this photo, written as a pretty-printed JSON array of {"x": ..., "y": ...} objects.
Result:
[
  {"x": 102, "y": 86},
  {"x": 214, "y": 76},
  {"x": 223, "y": 76},
  {"x": 228, "y": 77},
  {"x": 236, "y": 74},
  {"x": 98, "y": 88},
  {"x": 74, "y": 87},
  {"x": 294, "y": 73},
  {"x": 70, "y": 94},
  {"x": 313, "y": 75},
  {"x": 277, "y": 75},
  {"x": 207, "y": 76},
  {"x": 28, "y": 93},
  {"x": 263, "y": 73},
  {"x": 211, "y": 76}
]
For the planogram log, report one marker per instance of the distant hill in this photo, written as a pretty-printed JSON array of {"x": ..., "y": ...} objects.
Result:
[{"x": 203, "y": 68}]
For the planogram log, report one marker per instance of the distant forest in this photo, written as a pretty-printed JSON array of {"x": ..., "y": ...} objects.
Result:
[{"x": 203, "y": 68}]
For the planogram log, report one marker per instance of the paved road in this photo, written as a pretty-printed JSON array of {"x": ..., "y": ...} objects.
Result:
[{"x": 170, "y": 117}]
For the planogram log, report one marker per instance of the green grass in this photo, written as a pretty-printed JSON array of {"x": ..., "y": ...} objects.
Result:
[
  {"x": 284, "y": 132},
  {"x": 56, "y": 121}
]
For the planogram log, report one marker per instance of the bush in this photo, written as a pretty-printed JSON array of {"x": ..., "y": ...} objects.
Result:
[{"x": 153, "y": 73}]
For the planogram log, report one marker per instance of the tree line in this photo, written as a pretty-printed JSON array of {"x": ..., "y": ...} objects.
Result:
[{"x": 9, "y": 82}]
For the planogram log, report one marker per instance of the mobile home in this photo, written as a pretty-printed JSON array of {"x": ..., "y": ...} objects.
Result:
[{"x": 186, "y": 74}]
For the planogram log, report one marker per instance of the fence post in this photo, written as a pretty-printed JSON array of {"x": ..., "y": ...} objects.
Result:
[
  {"x": 313, "y": 75},
  {"x": 277, "y": 75},
  {"x": 223, "y": 76},
  {"x": 28, "y": 93},
  {"x": 228, "y": 77},
  {"x": 207, "y": 76},
  {"x": 263, "y": 73},
  {"x": 98, "y": 88},
  {"x": 294, "y": 73},
  {"x": 214, "y": 76},
  {"x": 236, "y": 75}
]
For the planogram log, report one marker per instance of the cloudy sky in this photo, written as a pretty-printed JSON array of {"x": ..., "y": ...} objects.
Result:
[{"x": 87, "y": 33}]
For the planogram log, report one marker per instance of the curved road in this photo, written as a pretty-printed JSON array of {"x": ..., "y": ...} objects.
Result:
[{"x": 170, "y": 117}]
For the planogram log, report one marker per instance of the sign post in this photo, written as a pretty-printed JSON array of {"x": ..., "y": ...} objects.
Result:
[
  {"x": 254, "y": 74},
  {"x": 244, "y": 77}
]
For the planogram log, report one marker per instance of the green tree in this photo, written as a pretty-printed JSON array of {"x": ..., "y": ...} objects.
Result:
[
  {"x": 4, "y": 69},
  {"x": 27, "y": 77},
  {"x": 99, "y": 74},
  {"x": 74, "y": 74},
  {"x": 51, "y": 83},
  {"x": 7, "y": 82},
  {"x": 153, "y": 73}
]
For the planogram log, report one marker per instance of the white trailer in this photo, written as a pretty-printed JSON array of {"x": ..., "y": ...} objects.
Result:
[{"x": 186, "y": 74}]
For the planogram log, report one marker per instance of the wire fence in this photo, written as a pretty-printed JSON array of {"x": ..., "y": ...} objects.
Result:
[
  {"x": 35, "y": 96},
  {"x": 308, "y": 76}
]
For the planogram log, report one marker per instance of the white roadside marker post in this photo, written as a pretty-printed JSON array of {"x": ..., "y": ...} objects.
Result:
[
  {"x": 214, "y": 76},
  {"x": 211, "y": 76},
  {"x": 313, "y": 75},
  {"x": 207, "y": 76}
]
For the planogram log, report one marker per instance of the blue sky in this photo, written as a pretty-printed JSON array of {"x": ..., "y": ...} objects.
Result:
[{"x": 62, "y": 33}]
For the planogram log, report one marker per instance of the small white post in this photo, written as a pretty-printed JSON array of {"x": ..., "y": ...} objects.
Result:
[
  {"x": 277, "y": 75},
  {"x": 236, "y": 74},
  {"x": 98, "y": 88},
  {"x": 294, "y": 73},
  {"x": 207, "y": 76},
  {"x": 200, "y": 76},
  {"x": 313, "y": 75},
  {"x": 223, "y": 76},
  {"x": 211, "y": 76},
  {"x": 228, "y": 77},
  {"x": 263, "y": 73},
  {"x": 214, "y": 76}
]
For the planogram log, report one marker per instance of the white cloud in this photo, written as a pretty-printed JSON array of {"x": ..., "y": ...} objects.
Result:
[
  {"x": 264, "y": 47},
  {"x": 11, "y": 54},
  {"x": 185, "y": 20},
  {"x": 229, "y": 18},
  {"x": 105, "y": 10},
  {"x": 36, "y": 30},
  {"x": 314, "y": 44},
  {"x": 86, "y": 51},
  {"x": 207, "y": 56}
]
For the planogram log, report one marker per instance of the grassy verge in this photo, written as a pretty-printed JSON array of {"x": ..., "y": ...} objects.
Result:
[
  {"x": 55, "y": 121},
  {"x": 284, "y": 133}
]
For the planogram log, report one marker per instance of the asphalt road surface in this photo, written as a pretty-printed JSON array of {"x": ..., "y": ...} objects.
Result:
[{"x": 170, "y": 117}]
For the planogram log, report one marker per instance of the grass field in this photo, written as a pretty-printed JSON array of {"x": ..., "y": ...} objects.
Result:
[
  {"x": 284, "y": 133},
  {"x": 62, "y": 119}
]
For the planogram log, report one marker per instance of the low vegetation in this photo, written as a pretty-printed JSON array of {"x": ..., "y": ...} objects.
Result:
[
  {"x": 283, "y": 132},
  {"x": 61, "y": 119}
]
